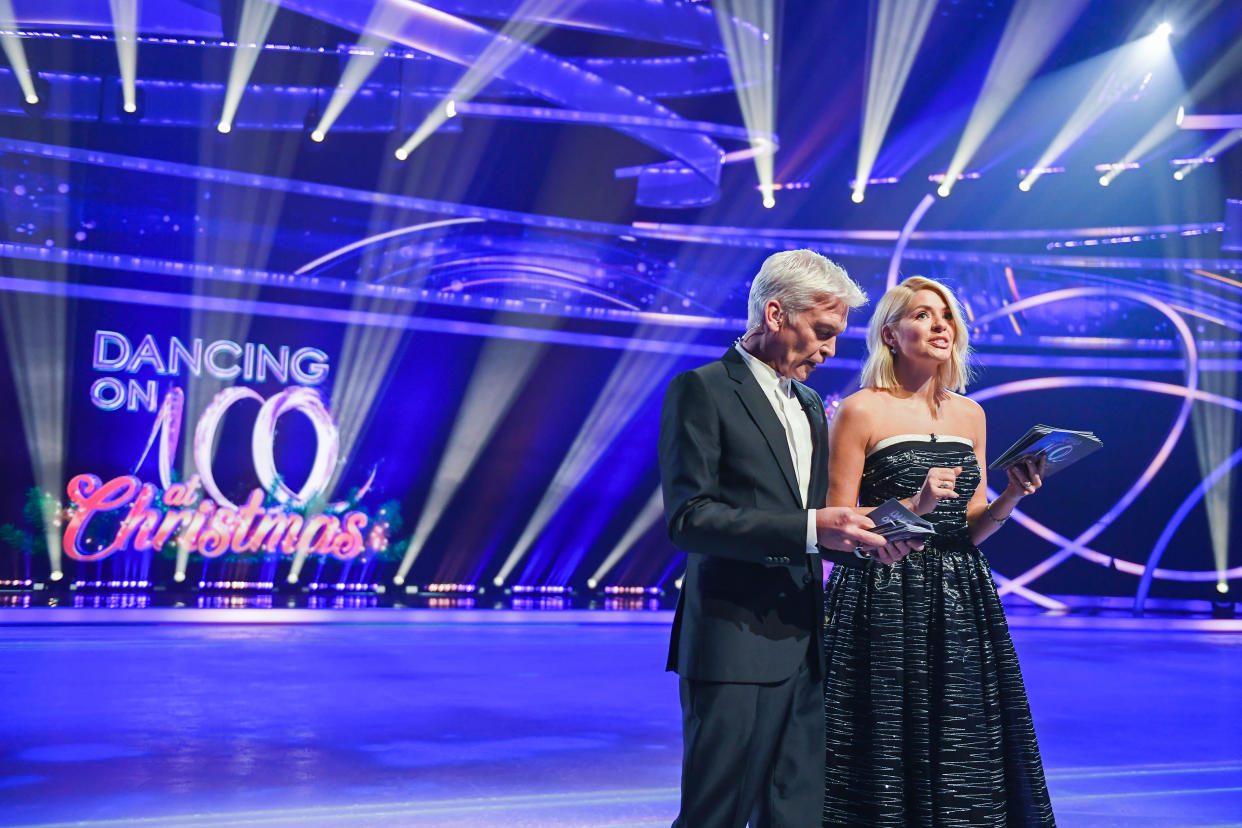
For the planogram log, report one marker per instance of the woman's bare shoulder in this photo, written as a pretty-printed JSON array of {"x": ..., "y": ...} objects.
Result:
[
  {"x": 856, "y": 415},
  {"x": 863, "y": 401},
  {"x": 969, "y": 414},
  {"x": 964, "y": 405}
]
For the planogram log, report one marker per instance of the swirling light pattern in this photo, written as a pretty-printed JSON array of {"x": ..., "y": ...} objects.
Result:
[{"x": 1162, "y": 454}]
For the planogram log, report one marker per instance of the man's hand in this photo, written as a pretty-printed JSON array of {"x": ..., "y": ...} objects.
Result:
[{"x": 840, "y": 527}]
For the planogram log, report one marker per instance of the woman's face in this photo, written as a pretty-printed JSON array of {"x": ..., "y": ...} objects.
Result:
[{"x": 925, "y": 331}]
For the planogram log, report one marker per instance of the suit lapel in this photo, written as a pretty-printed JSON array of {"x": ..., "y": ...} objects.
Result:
[{"x": 761, "y": 412}]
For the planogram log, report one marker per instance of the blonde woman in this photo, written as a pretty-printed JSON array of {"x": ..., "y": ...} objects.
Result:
[{"x": 927, "y": 717}]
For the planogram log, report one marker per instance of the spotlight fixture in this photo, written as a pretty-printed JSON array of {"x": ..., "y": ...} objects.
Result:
[
  {"x": 310, "y": 126},
  {"x": 133, "y": 110},
  {"x": 35, "y": 103},
  {"x": 1104, "y": 180},
  {"x": 1164, "y": 29},
  {"x": 223, "y": 126}
]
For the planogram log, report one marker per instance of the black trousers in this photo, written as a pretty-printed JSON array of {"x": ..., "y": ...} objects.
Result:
[{"x": 752, "y": 752}]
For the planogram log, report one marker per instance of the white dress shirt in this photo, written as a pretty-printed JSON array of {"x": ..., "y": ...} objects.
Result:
[{"x": 779, "y": 392}]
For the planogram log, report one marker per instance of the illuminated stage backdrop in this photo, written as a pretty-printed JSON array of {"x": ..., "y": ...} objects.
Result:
[
  {"x": 254, "y": 498},
  {"x": 261, "y": 358}
]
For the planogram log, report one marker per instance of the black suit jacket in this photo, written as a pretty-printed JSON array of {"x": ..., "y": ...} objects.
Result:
[{"x": 751, "y": 603}]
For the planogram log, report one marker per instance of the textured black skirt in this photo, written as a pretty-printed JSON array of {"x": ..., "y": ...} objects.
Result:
[{"x": 927, "y": 717}]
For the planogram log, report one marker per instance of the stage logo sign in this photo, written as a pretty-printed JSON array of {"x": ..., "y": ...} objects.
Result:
[{"x": 195, "y": 514}]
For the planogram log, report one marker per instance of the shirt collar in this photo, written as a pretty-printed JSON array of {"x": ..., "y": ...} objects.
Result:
[{"x": 765, "y": 374}]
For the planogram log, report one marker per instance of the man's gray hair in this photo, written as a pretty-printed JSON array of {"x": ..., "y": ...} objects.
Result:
[{"x": 799, "y": 279}]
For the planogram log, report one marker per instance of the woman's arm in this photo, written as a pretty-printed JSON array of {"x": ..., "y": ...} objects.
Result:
[
  {"x": 848, "y": 435},
  {"x": 985, "y": 518},
  {"x": 847, "y": 450}
]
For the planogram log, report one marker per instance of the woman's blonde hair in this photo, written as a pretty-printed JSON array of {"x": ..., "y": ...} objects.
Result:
[{"x": 878, "y": 372}]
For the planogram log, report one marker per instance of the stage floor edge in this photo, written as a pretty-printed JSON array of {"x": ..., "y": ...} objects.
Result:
[{"x": 19, "y": 616}]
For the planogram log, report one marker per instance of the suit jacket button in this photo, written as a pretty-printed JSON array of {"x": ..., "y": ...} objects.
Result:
[{"x": 806, "y": 577}]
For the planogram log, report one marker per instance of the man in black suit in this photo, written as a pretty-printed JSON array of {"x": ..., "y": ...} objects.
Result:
[{"x": 744, "y": 465}]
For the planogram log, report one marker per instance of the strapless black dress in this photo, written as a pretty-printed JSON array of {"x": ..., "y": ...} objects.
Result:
[{"x": 927, "y": 717}]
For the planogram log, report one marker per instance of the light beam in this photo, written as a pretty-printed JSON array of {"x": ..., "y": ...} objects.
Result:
[
  {"x": 256, "y": 21},
  {"x": 631, "y": 382},
  {"x": 125, "y": 25},
  {"x": 363, "y": 58},
  {"x": 504, "y": 48},
  {"x": 896, "y": 31},
  {"x": 35, "y": 327},
  {"x": 651, "y": 513},
  {"x": 16, "y": 53},
  {"x": 1034, "y": 27},
  {"x": 1223, "y": 70},
  {"x": 1122, "y": 66},
  {"x": 500, "y": 373},
  {"x": 1220, "y": 145},
  {"x": 747, "y": 29}
]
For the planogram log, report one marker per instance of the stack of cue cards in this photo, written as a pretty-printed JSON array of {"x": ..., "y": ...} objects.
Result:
[
  {"x": 1062, "y": 446},
  {"x": 895, "y": 522}
]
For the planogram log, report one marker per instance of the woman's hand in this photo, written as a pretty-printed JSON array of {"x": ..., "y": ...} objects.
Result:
[
  {"x": 1026, "y": 475},
  {"x": 940, "y": 483}
]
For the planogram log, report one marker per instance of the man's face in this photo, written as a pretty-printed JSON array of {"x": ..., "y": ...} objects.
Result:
[{"x": 802, "y": 343}]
